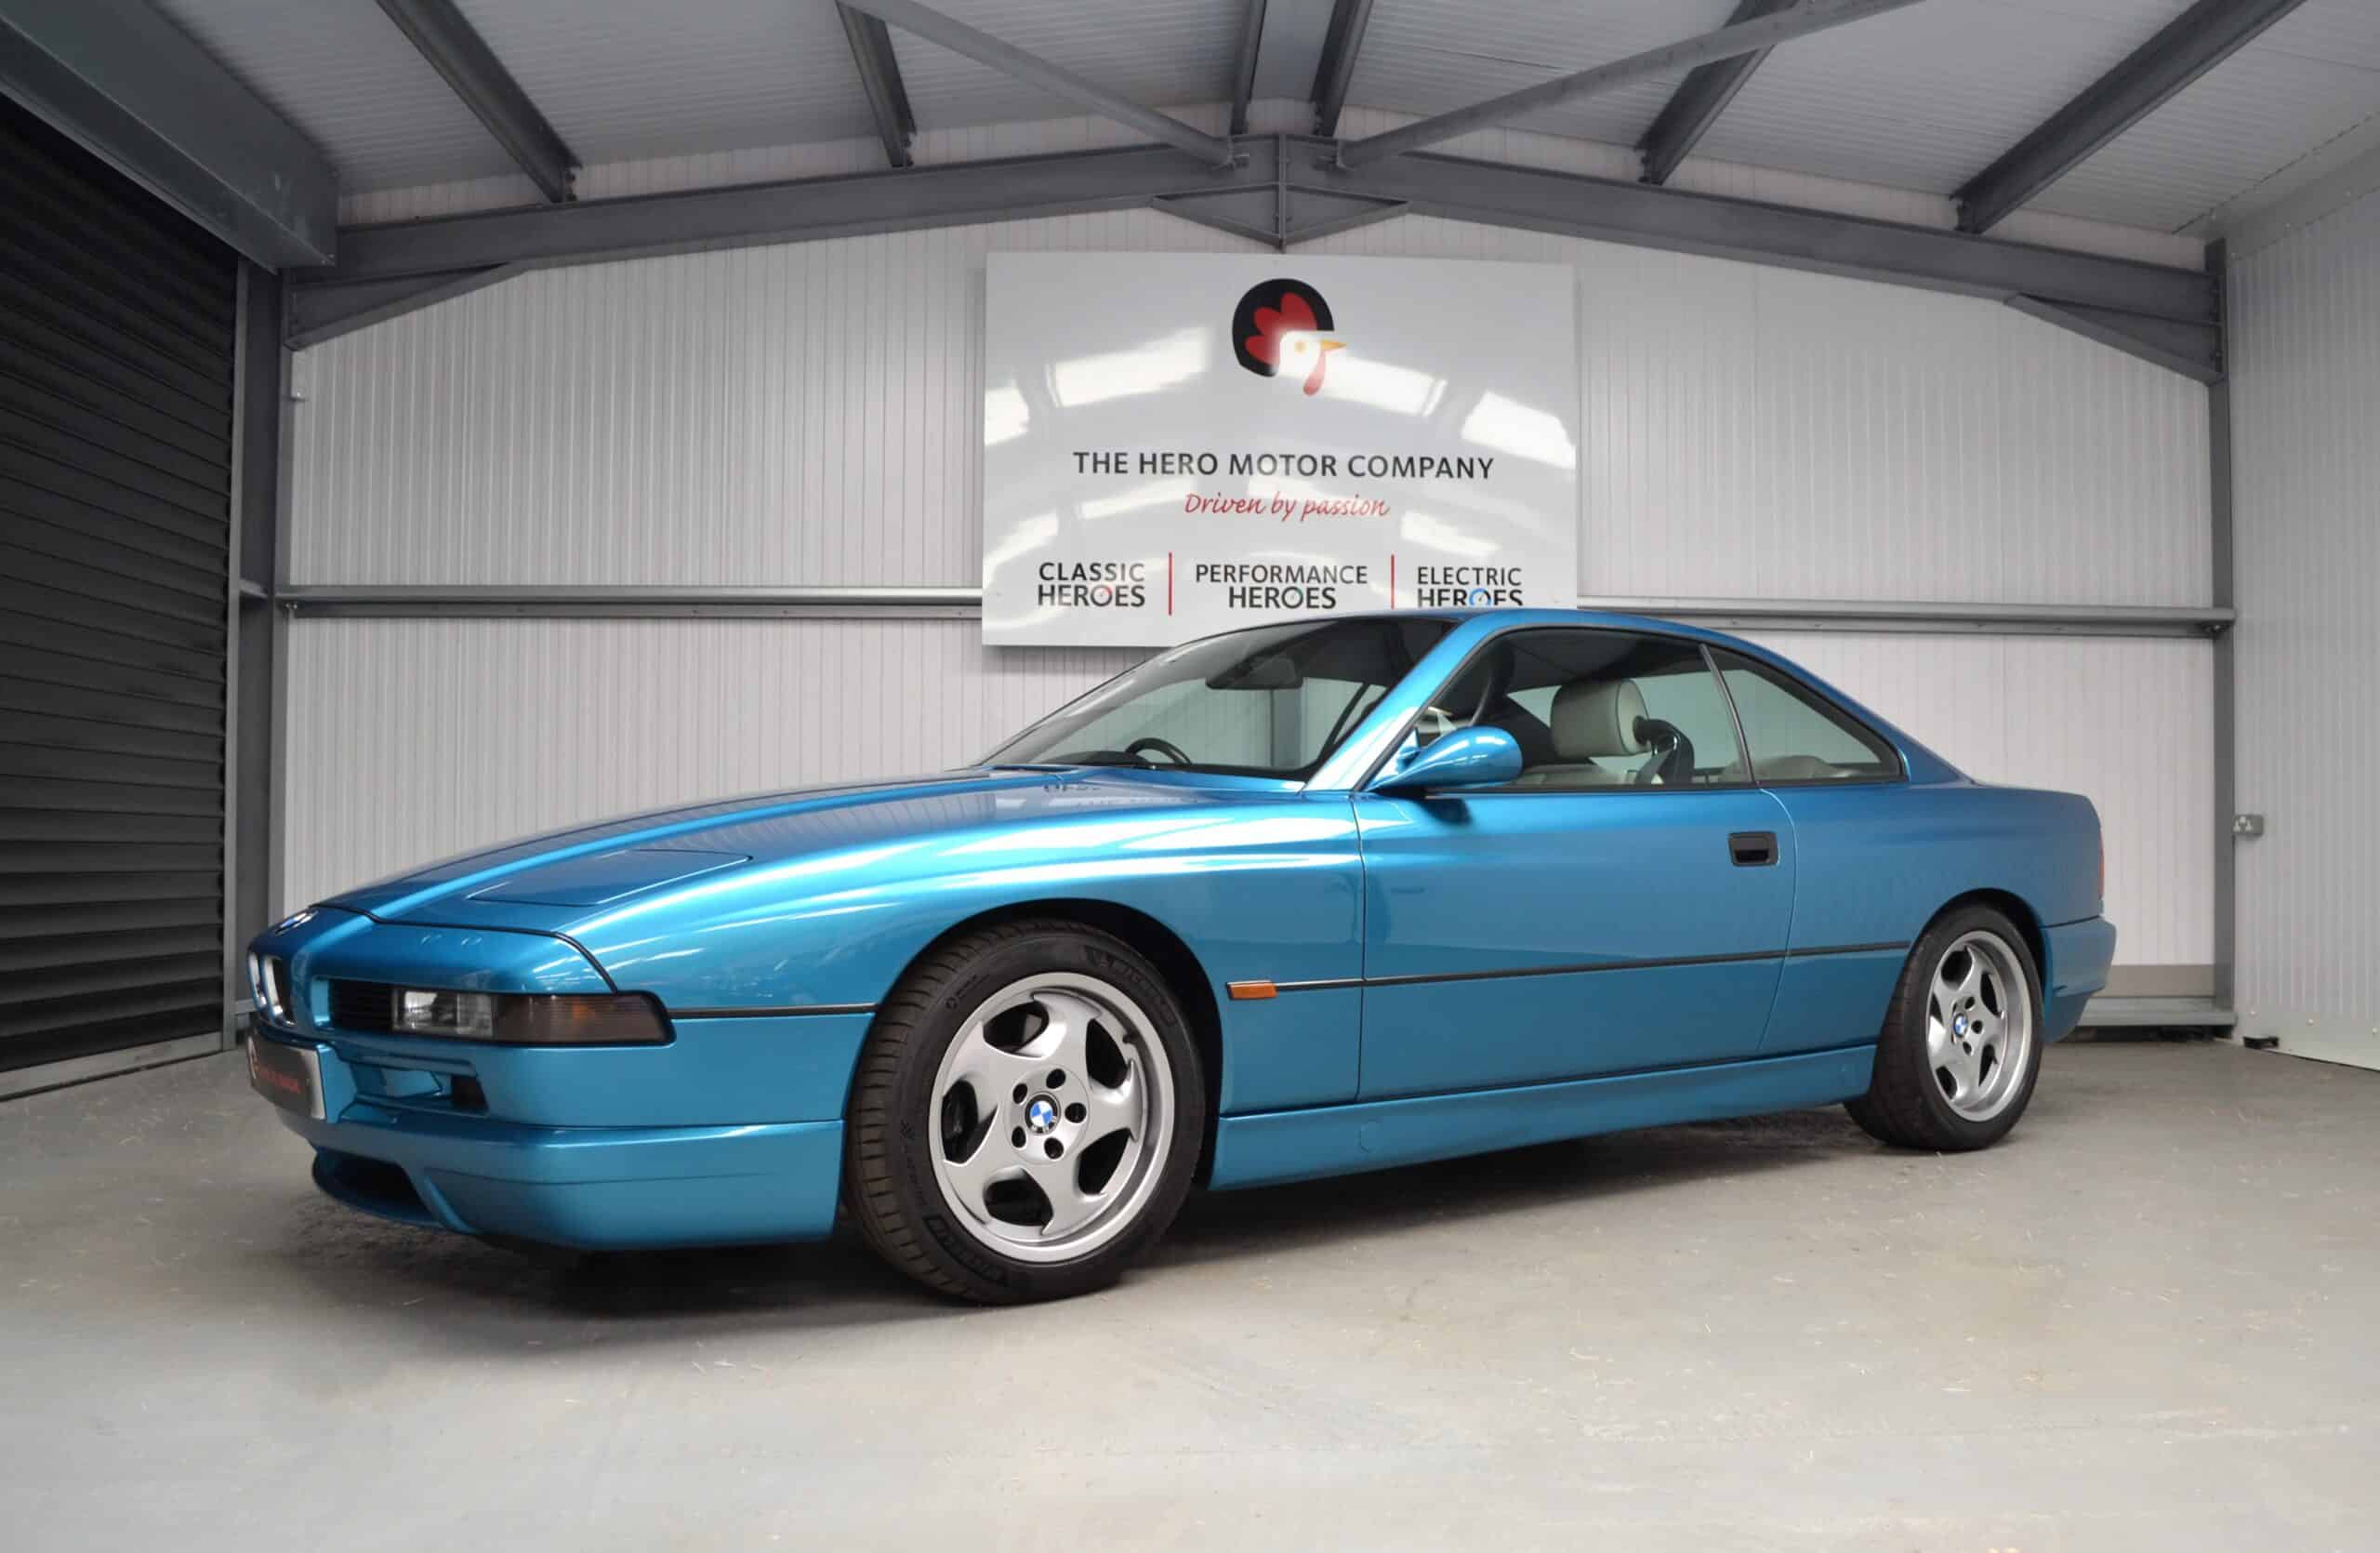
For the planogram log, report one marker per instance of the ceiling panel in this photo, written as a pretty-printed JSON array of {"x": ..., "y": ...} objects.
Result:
[
  {"x": 623, "y": 78},
  {"x": 1156, "y": 52},
  {"x": 1926, "y": 96},
  {"x": 342, "y": 73},
  {"x": 2335, "y": 32},
  {"x": 1919, "y": 99},
  {"x": 1425, "y": 57},
  {"x": 2239, "y": 124}
]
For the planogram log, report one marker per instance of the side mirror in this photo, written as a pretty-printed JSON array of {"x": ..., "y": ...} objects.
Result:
[{"x": 1466, "y": 758}]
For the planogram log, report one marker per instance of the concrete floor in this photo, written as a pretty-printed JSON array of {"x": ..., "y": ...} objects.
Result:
[{"x": 2146, "y": 1321}]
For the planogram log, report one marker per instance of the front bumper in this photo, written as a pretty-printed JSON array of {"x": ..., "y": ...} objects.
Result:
[{"x": 596, "y": 1148}]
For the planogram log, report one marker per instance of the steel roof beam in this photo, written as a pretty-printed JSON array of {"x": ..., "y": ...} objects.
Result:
[
  {"x": 1460, "y": 189},
  {"x": 1608, "y": 210},
  {"x": 2193, "y": 350},
  {"x": 457, "y": 51},
  {"x": 1348, "y": 20},
  {"x": 939, "y": 194},
  {"x": 132, "y": 88},
  {"x": 984, "y": 48},
  {"x": 1243, "y": 76},
  {"x": 319, "y": 312},
  {"x": 1799, "y": 20},
  {"x": 1701, "y": 98},
  {"x": 2183, "y": 51},
  {"x": 880, "y": 77}
]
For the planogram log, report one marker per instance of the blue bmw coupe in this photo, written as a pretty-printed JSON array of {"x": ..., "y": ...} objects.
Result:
[{"x": 1287, "y": 902}]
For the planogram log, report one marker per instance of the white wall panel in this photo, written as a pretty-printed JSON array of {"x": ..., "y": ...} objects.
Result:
[
  {"x": 2128, "y": 723},
  {"x": 1756, "y": 432},
  {"x": 802, "y": 414},
  {"x": 469, "y": 732},
  {"x": 809, "y": 413},
  {"x": 412, "y": 740},
  {"x": 2305, "y": 375}
]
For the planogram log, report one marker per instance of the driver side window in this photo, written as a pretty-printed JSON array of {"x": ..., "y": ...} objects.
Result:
[{"x": 1599, "y": 710}]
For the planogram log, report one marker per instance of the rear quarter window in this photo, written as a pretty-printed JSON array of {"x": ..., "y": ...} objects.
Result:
[{"x": 1794, "y": 735}]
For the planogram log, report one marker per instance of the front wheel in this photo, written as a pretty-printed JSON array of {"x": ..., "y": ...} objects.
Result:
[
  {"x": 1027, "y": 1114},
  {"x": 1961, "y": 1044}
]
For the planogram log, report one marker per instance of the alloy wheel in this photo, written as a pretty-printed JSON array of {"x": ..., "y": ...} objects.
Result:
[
  {"x": 1052, "y": 1117},
  {"x": 1978, "y": 1025}
]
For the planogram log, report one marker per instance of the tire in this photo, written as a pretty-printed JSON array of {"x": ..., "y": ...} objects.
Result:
[
  {"x": 1943, "y": 1083},
  {"x": 1034, "y": 1069}
]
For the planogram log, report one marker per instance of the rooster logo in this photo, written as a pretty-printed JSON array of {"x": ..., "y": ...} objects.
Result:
[{"x": 1279, "y": 329}]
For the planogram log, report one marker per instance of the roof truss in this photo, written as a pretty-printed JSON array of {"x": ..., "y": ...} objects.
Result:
[
  {"x": 2183, "y": 51},
  {"x": 457, "y": 51}
]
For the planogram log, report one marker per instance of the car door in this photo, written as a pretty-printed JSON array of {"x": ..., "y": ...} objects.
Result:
[{"x": 1622, "y": 907}]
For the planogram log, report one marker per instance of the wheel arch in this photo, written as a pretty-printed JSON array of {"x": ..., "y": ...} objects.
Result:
[
  {"x": 1159, "y": 944},
  {"x": 2025, "y": 919}
]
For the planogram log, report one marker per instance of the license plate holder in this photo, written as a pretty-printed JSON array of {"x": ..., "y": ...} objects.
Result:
[{"x": 291, "y": 1077}]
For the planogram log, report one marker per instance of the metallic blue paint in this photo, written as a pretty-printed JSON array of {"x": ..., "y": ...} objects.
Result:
[
  {"x": 1465, "y": 758},
  {"x": 1296, "y": 1146},
  {"x": 1459, "y": 969},
  {"x": 1537, "y": 878},
  {"x": 2078, "y": 956}
]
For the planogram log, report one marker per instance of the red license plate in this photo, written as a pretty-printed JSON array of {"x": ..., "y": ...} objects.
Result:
[{"x": 291, "y": 1077}]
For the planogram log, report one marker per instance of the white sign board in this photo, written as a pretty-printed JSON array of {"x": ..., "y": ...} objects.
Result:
[{"x": 1179, "y": 443}]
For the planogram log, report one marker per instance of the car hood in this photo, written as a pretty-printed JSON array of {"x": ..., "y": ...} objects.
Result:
[{"x": 548, "y": 882}]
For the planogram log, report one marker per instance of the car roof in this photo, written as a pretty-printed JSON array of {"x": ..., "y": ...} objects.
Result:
[{"x": 1546, "y": 615}]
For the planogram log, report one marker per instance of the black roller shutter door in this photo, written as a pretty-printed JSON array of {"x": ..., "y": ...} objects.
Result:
[{"x": 116, "y": 325}]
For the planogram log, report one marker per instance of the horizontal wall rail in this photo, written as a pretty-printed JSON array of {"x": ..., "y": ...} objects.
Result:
[
  {"x": 419, "y": 600},
  {"x": 2007, "y": 620},
  {"x": 410, "y": 601}
]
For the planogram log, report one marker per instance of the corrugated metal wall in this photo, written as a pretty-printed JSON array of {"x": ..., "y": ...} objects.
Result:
[
  {"x": 2127, "y": 722},
  {"x": 2306, "y": 376},
  {"x": 692, "y": 708},
  {"x": 541, "y": 721},
  {"x": 808, "y": 413}
]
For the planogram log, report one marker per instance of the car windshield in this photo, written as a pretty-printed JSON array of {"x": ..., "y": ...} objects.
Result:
[{"x": 1270, "y": 701}]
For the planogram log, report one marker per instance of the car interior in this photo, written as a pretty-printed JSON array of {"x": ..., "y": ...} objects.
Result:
[{"x": 1598, "y": 708}]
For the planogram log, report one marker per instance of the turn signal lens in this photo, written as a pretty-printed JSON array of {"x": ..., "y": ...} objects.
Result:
[
  {"x": 524, "y": 1019},
  {"x": 625, "y": 1018}
]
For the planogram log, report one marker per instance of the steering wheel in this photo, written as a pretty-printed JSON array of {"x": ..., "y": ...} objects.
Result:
[
  {"x": 1171, "y": 751},
  {"x": 1673, "y": 753}
]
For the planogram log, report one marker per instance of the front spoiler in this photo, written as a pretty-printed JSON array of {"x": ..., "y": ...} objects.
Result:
[{"x": 587, "y": 1188}]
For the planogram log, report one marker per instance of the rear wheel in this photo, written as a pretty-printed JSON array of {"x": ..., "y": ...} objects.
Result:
[
  {"x": 1960, "y": 1049},
  {"x": 1027, "y": 1116}
]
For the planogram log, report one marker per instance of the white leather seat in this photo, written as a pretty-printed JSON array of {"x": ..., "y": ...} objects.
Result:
[
  {"x": 1798, "y": 768},
  {"x": 1591, "y": 720}
]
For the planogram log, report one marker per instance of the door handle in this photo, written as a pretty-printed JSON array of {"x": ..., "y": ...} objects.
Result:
[{"x": 1752, "y": 849}]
